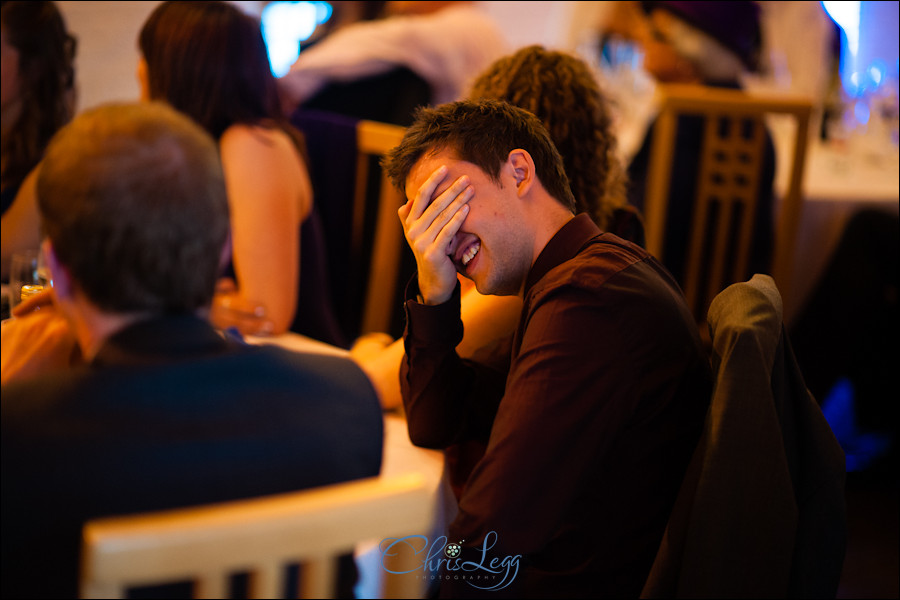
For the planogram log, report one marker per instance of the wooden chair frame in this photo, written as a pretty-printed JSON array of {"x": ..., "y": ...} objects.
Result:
[
  {"x": 736, "y": 106},
  {"x": 376, "y": 139},
  {"x": 260, "y": 536}
]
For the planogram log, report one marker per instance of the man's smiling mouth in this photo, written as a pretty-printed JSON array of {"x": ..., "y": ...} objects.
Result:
[{"x": 470, "y": 253}]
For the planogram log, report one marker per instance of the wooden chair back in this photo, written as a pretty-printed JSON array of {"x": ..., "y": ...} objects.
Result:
[
  {"x": 375, "y": 140},
  {"x": 259, "y": 536},
  {"x": 728, "y": 181}
]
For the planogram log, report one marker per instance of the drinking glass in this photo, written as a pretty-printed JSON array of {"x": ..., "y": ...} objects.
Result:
[{"x": 28, "y": 275}]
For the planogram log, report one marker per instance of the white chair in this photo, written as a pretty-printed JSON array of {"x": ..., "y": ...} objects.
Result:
[{"x": 260, "y": 536}]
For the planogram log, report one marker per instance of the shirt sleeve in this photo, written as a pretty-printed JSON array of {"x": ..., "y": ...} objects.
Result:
[{"x": 447, "y": 399}]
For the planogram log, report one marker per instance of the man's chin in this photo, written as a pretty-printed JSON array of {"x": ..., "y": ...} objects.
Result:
[{"x": 484, "y": 289}]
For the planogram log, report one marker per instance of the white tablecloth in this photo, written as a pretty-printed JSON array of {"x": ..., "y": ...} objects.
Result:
[
  {"x": 400, "y": 457},
  {"x": 839, "y": 180}
]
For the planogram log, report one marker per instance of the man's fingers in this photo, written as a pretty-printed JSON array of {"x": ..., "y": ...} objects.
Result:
[
  {"x": 425, "y": 193},
  {"x": 440, "y": 204},
  {"x": 440, "y": 211},
  {"x": 447, "y": 222},
  {"x": 445, "y": 235}
]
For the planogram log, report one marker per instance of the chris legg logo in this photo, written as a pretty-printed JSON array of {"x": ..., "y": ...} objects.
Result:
[{"x": 441, "y": 560}]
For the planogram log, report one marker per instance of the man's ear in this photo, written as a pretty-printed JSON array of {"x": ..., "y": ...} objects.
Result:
[
  {"x": 520, "y": 166},
  {"x": 62, "y": 280}
]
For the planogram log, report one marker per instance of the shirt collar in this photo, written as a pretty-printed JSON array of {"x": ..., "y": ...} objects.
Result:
[{"x": 562, "y": 246}]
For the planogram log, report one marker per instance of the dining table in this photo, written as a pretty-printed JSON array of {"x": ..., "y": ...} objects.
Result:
[{"x": 841, "y": 178}]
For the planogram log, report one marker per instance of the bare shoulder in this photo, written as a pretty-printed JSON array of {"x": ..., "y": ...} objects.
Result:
[
  {"x": 257, "y": 158},
  {"x": 246, "y": 141}
]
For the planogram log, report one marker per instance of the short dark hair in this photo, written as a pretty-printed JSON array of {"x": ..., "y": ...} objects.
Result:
[
  {"x": 482, "y": 132},
  {"x": 132, "y": 197}
]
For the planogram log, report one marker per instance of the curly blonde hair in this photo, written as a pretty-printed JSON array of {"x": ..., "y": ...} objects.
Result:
[{"x": 562, "y": 91}]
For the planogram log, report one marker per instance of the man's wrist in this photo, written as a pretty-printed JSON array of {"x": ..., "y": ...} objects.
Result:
[
  {"x": 413, "y": 293},
  {"x": 435, "y": 325},
  {"x": 420, "y": 298}
]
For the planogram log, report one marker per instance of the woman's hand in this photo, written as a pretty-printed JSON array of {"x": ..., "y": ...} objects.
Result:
[{"x": 230, "y": 309}]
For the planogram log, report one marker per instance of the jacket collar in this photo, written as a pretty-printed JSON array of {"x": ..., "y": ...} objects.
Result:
[{"x": 162, "y": 338}]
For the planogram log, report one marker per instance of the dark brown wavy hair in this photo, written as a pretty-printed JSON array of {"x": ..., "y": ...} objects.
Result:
[
  {"x": 46, "y": 80},
  {"x": 209, "y": 61},
  {"x": 562, "y": 92}
]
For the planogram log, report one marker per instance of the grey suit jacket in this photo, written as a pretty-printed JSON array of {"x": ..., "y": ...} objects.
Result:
[{"x": 761, "y": 512}]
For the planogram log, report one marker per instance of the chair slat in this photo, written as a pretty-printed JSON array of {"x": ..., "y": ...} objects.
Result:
[
  {"x": 317, "y": 578},
  {"x": 727, "y": 186},
  {"x": 261, "y": 536},
  {"x": 377, "y": 139}
]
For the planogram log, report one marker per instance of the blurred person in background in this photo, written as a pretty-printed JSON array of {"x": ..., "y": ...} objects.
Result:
[
  {"x": 38, "y": 97},
  {"x": 418, "y": 53},
  {"x": 562, "y": 91},
  {"x": 702, "y": 43},
  {"x": 343, "y": 13},
  {"x": 209, "y": 60},
  {"x": 167, "y": 412}
]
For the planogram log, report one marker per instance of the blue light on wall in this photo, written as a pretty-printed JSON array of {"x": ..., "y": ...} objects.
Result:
[
  {"x": 846, "y": 15},
  {"x": 285, "y": 25},
  {"x": 868, "y": 43}
]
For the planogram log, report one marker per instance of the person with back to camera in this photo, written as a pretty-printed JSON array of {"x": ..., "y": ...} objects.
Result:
[
  {"x": 167, "y": 412},
  {"x": 561, "y": 90},
  {"x": 608, "y": 383},
  {"x": 38, "y": 86},
  {"x": 268, "y": 186},
  {"x": 209, "y": 60}
]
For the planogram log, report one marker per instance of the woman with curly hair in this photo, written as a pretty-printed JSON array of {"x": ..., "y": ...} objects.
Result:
[
  {"x": 38, "y": 98},
  {"x": 561, "y": 90}
]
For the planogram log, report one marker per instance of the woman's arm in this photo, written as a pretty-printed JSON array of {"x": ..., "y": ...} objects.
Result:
[
  {"x": 269, "y": 195},
  {"x": 486, "y": 320}
]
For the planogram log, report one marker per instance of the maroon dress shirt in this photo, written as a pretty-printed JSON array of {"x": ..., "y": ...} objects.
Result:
[{"x": 604, "y": 402}]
